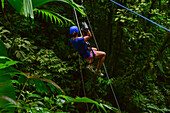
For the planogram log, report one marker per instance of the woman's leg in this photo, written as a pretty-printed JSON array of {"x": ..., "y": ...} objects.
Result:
[
  {"x": 101, "y": 56},
  {"x": 90, "y": 61},
  {"x": 93, "y": 48}
]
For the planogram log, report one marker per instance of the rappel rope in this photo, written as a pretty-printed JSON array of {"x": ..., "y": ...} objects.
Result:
[
  {"x": 84, "y": 91},
  {"x": 103, "y": 63}
]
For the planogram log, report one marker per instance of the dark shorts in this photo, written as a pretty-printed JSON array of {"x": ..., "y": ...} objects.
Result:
[{"x": 91, "y": 55}]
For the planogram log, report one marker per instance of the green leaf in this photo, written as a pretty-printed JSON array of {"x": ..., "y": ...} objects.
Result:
[
  {"x": 160, "y": 66},
  {"x": 3, "y": 51},
  {"x": 40, "y": 86},
  {"x": 4, "y": 57},
  {"x": 51, "y": 82},
  {"x": 34, "y": 95},
  {"x": 5, "y": 31},
  {"x": 122, "y": 20},
  {"x": 9, "y": 100},
  {"x": 28, "y": 8},
  {"x": 4, "y": 72},
  {"x": 10, "y": 105},
  {"x": 8, "y": 64},
  {"x": 109, "y": 107},
  {"x": 158, "y": 109},
  {"x": 17, "y": 5},
  {"x": 25, "y": 7},
  {"x": 2, "y": 1},
  {"x": 54, "y": 17},
  {"x": 116, "y": 19},
  {"x": 79, "y": 99},
  {"x": 6, "y": 86}
]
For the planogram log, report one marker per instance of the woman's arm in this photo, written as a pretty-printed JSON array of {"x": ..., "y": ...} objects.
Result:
[{"x": 88, "y": 36}]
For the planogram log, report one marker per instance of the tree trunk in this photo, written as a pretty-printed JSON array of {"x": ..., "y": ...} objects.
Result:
[
  {"x": 168, "y": 8},
  {"x": 109, "y": 39},
  {"x": 160, "y": 8}
]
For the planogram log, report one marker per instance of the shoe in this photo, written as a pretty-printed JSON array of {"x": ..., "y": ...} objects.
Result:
[
  {"x": 90, "y": 68},
  {"x": 98, "y": 72}
]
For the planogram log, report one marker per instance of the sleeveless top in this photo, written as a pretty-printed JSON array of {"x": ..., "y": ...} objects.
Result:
[{"x": 81, "y": 46}]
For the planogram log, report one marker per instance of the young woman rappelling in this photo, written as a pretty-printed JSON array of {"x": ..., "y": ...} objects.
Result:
[{"x": 84, "y": 51}]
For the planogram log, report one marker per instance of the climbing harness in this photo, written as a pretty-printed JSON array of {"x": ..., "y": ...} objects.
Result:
[
  {"x": 140, "y": 15},
  {"x": 93, "y": 55},
  {"x": 91, "y": 50}
]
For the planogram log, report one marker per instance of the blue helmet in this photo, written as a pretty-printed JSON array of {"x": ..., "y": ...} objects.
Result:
[{"x": 74, "y": 29}]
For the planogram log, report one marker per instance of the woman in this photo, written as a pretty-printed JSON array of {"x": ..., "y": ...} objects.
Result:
[{"x": 81, "y": 46}]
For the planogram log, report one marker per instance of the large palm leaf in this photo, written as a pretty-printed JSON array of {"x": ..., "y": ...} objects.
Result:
[
  {"x": 54, "y": 17},
  {"x": 37, "y": 3},
  {"x": 26, "y": 7},
  {"x": 6, "y": 86}
]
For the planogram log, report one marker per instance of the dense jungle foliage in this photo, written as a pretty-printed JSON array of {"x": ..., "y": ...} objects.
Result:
[{"x": 39, "y": 67}]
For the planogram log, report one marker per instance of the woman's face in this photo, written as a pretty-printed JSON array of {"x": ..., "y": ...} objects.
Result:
[{"x": 75, "y": 34}]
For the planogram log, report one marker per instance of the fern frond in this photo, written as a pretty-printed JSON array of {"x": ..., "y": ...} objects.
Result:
[
  {"x": 74, "y": 5},
  {"x": 79, "y": 8},
  {"x": 54, "y": 17}
]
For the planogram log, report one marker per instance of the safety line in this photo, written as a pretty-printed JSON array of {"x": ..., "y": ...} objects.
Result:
[
  {"x": 80, "y": 61},
  {"x": 103, "y": 63},
  {"x": 75, "y": 13},
  {"x": 91, "y": 30},
  {"x": 140, "y": 15}
]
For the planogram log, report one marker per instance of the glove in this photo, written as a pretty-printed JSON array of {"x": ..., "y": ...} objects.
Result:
[
  {"x": 88, "y": 44},
  {"x": 85, "y": 26}
]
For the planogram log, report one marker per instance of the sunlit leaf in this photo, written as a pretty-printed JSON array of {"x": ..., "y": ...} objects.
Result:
[
  {"x": 79, "y": 99},
  {"x": 34, "y": 95},
  {"x": 6, "y": 86},
  {"x": 2, "y": 1},
  {"x": 25, "y": 7},
  {"x": 109, "y": 107},
  {"x": 116, "y": 19},
  {"x": 9, "y": 100},
  {"x": 160, "y": 66},
  {"x": 122, "y": 20},
  {"x": 28, "y": 8},
  {"x": 54, "y": 17},
  {"x": 8, "y": 64},
  {"x": 4, "y": 57}
]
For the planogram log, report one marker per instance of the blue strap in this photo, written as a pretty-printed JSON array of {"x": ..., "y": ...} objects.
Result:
[{"x": 140, "y": 15}]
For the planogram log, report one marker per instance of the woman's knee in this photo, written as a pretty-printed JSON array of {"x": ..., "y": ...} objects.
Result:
[
  {"x": 100, "y": 54},
  {"x": 104, "y": 53},
  {"x": 93, "y": 48}
]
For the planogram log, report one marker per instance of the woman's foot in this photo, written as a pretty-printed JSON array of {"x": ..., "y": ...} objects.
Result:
[
  {"x": 98, "y": 72},
  {"x": 90, "y": 68}
]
